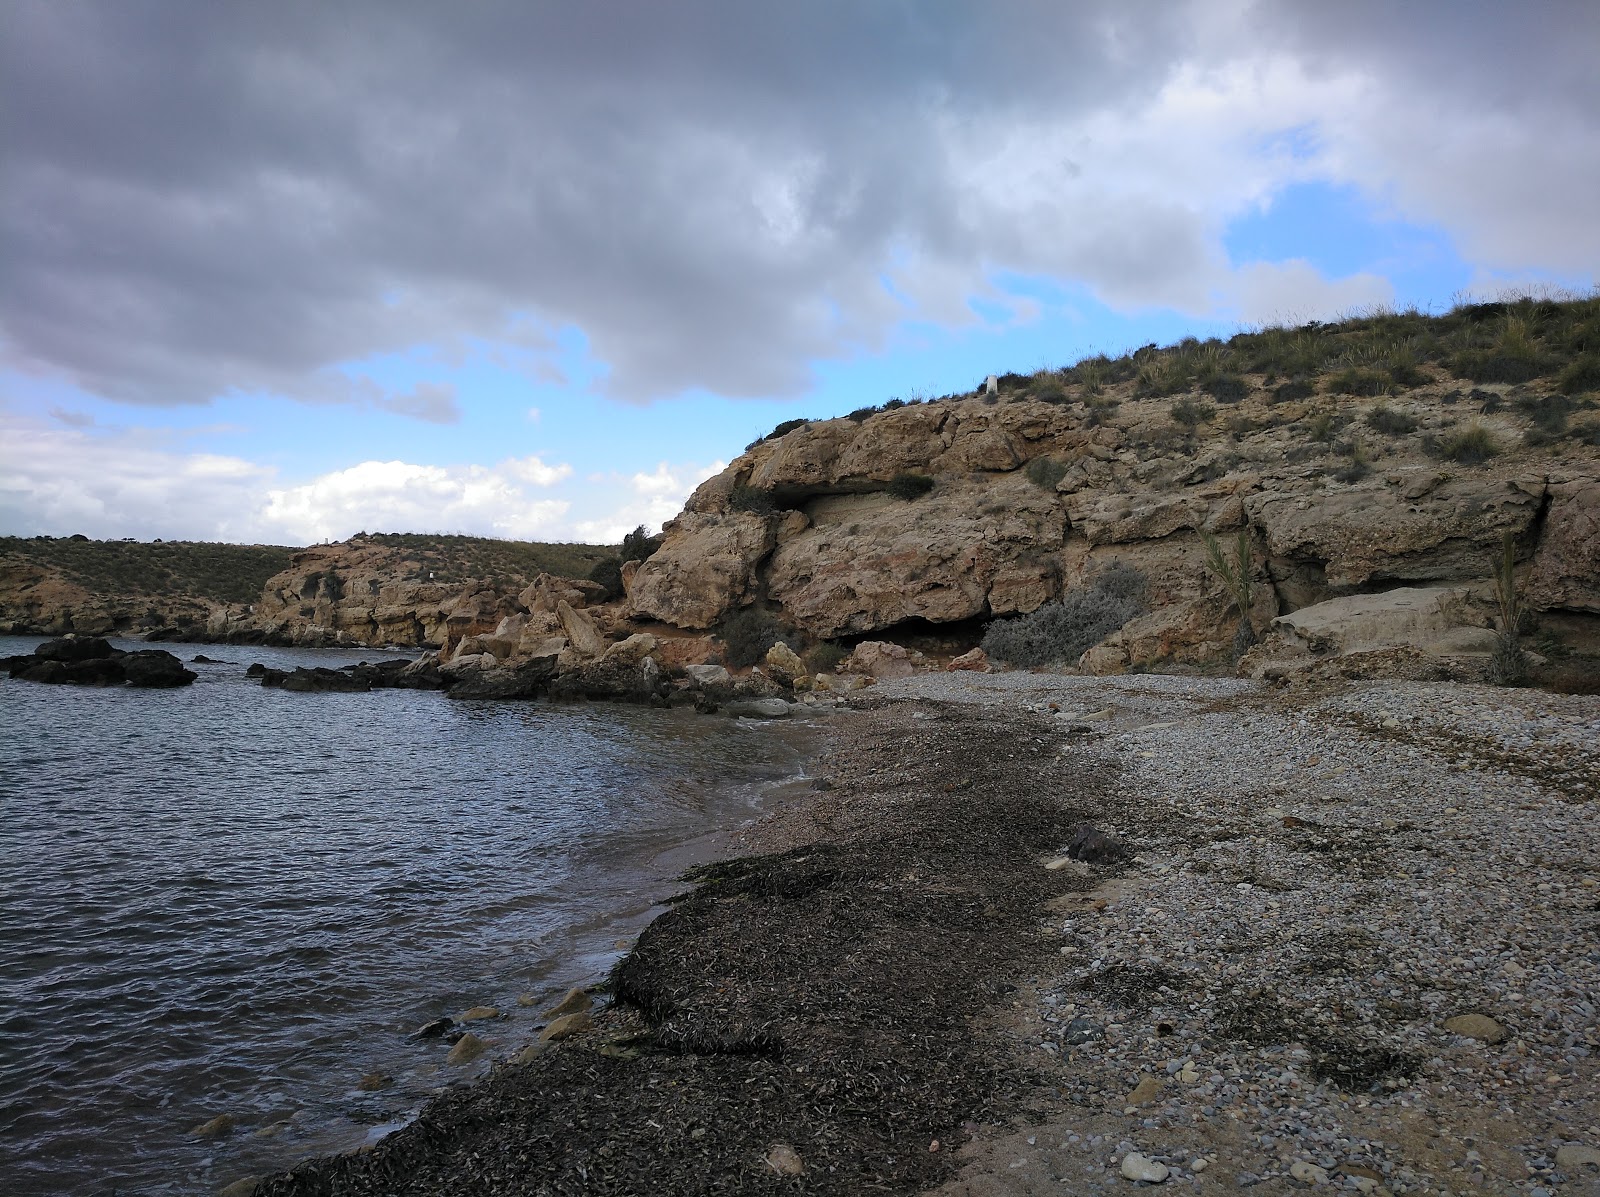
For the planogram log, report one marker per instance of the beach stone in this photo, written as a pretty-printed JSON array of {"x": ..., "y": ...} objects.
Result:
[
  {"x": 1577, "y": 1155},
  {"x": 576, "y": 1001},
  {"x": 707, "y": 675},
  {"x": 1090, "y": 844},
  {"x": 478, "y": 1014},
  {"x": 1082, "y": 1030},
  {"x": 1076, "y": 868},
  {"x": 1138, "y": 1167},
  {"x": 1309, "y": 1173},
  {"x": 374, "y": 1081},
  {"x": 467, "y": 1049},
  {"x": 1145, "y": 1092},
  {"x": 784, "y": 666},
  {"x": 566, "y": 1026},
  {"x": 215, "y": 1128},
  {"x": 245, "y": 1186},
  {"x": 434, "y": 1029},
  {"x": 785, "y": 1160},
  {"x": 976, "y": 661},
  {"x": 759, "y": 708},
  {"x": 529, "y": 1054},
  {"x": 1476, "y": 1026}
]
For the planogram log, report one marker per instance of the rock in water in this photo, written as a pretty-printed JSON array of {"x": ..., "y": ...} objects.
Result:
[
  {"x": 1139, "y": 1167},
  {"x": 467, "y": 1049},
  {"x": 478, "y": 1014},
  {"x": 214, "y": 1128},
  {"x": 759, "y": 708},
  {"x": 576, "y": 1001}
]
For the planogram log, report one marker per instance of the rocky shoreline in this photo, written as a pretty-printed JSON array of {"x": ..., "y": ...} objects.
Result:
[{"x": 1354, "y": 943}]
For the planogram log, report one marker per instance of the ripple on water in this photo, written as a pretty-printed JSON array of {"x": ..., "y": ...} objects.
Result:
[{"x": 230, "y": 899}]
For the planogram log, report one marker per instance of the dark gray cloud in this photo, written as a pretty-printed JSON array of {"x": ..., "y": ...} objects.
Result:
[{"x": 200, "y": 199}]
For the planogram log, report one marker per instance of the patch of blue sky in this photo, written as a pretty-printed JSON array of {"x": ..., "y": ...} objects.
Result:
[{"x": 1341, "y": 230}]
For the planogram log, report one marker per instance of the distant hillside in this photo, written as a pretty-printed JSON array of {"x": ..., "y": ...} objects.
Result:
[
  {"x": 453, "y": 559},
  {"x": 225, "y": 573}
]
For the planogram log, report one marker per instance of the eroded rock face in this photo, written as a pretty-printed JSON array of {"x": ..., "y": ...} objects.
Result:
[
  {"x": 709, "y": 571},
  {"x": 1566, "y": 567}
]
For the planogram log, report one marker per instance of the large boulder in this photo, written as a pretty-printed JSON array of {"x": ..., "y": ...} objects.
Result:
[
  {"x": 703, "y": 569},
  {"x": 1413, "y": 616},
  {"x": 157, "y": 669}
]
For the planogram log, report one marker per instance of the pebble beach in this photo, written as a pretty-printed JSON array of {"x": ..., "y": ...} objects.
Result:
[{"x": 1356, "y": 946}]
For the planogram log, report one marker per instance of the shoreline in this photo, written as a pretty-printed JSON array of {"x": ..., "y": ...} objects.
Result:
[{"x": 1254, "y": 999}]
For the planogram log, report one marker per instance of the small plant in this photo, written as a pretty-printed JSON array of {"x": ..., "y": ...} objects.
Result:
[
  {"x": 1058, "y": 632},
  {"x": 1045, "y": 472},
  {"x": 826, "y": 657},
  {"x": 1226, "y": 388},
  {"x": 1358, "y": 466},
  {"x": 747, "y": 635},
  {"x": 1322, "y": 427},
  {"x": 1295, "y": 388},
  {"x": 1191, "y": 414},
  {"x": 1236, "y": 578},
  {"x": 909, "y": 486},
  {"x": 782, "y": 429},
  {"x": 1472, "y": 445},
  {"x": 1099, "y": 409},
  {"x": 1390, "y": 422},
  {"x": 1508, "y": 666},
  {"x": 1581, "y": 374},
  {"x": 751, "y": 499},
  {"x": 1358, "y": 380}
]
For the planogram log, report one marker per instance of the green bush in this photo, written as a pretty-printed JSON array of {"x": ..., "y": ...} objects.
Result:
[
  {"x": 1226, "y": 388},
  {"x": 607, "y": 572},
  {"x": 1359, "y": 380},
  {"x": 1045, "y": 472},
  {"x": 639, "y": 545},
  {"x": 782, "y": 429},
  {"x": 1295, "y": 388},
  {"x": 747, "y": 635},
  {"x": 1472, "y": 445},
  {"x": 1060, "y": 632},
  {"x": 826, "y": 657},
  {"x": 751, "y": 499},
  {"x": 1191, "y": 414},
  {"x": 909, "y": 486},
  {"x": 1390, "y": 422},
  {"x": 1581, "y": 374}
]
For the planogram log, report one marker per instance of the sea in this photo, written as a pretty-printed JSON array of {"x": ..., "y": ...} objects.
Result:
[{"x": 232, "y": 900}]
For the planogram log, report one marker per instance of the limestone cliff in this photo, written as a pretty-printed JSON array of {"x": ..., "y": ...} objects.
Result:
[{"x": 1035, "y": 489}]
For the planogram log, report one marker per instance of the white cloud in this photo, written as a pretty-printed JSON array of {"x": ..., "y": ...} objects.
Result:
[
  {"x": 1294, "y": 292},
  {"x": 651, "y": 499},
  {"x": 112, "y": 483}
]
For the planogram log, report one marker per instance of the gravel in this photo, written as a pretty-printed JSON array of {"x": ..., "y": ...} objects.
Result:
[{"x": 1319, "y": 881}]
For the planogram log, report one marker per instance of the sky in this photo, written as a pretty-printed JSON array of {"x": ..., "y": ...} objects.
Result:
[{"x": 282, "y": 273}]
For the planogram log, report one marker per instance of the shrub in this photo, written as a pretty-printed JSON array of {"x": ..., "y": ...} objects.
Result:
[
  {"x": 1191, "y": 414},
  {"x": 1099, "y": 407},
  {"x": 1322, "y": 426},
  {"x": 910, "y": 486},
  {"x": 608, "y": 573},
  {"x": 1587, "y": 432},
  {"x": 1359, "y": 380},
  {"x": 1472, "y": 445},
  {"x": 1045, "y": 472},
  {"x": 826, "y": 657},
  {"x": 1581, "y": 374},
  {"x": 747, "y": 635},
  {"x": 1062, "y": 631},
  {"x": 639, "y": 545},
  {"x": 1508, "y": 666},
  {"x": 862, "y": 413},
  {"x": 784, "y": 429},
  {"x": 1295, "y": 388},
  {"x": 1226, "y": 388},
  {"x": 1237, "y": 577},
  {"x": 752, "y": 499},
  {"x": 1359, "y": 465},
  {"x": 1389, "y": 422}
]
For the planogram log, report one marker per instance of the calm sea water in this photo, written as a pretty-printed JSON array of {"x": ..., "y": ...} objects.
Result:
[{"x": 233, "y": 900}]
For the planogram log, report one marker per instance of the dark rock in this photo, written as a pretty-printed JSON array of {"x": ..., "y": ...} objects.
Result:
[
  {"x": 1093, "y": 846},
  {"x": 255, "y": 670},
  {"x": 1082, "y": 1030},
  {"x": 155, "y": 668},
  {"x": 73, "y": 648},
  {"x": 435, "y": 1029},
  {"x": 202, "y": 659},
  {"x": 96, "y": 672},
  {"x": 401, "y": 675},
  {"x": 273, "y": 677},
  {"x": 320, "y": 681},
  {"x": 525, "y": 681}
]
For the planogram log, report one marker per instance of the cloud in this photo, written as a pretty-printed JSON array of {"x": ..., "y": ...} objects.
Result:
[
  {"x": 225, "y": 200},
  {"x": 118, "y": 483},
  {"x": 650, "y": 499},
  {"x": 1283, "y": 293},
  {"x": 434, "y": 402}
]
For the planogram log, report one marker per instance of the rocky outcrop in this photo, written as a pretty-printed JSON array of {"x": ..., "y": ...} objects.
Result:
[
  {"x": 1031, "y": 499},
  {"x": 90, "y": 661}
]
